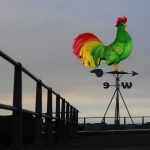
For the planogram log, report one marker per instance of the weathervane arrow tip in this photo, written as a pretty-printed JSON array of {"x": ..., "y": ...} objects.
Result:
[{"x": 134, "y": 73}]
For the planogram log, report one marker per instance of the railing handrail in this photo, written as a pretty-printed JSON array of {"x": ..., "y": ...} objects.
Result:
[
  {"x": 114, "y": 117},
  {"x": 104, "y": 122},
  {"x": 12, "y": 61}
]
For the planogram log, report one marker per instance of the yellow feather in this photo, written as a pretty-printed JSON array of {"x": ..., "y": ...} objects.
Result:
[{"x": 85, "y": 52}]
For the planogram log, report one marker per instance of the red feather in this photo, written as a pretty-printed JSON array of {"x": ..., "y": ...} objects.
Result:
[{"x": 81, "y": 40}]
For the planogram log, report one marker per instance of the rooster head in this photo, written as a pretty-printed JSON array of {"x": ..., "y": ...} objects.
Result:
[{"x": 122, "y": 21}]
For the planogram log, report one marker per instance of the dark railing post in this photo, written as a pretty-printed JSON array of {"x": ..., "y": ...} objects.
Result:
[
  {"x": 49, "y": 121},
  {"x": 58, "y": 123},
  {"x": 71, "y": 122},
  {"x": 38, "y": 119},
  {"x": 77, "y": 122},
  {"x": 16, "y": 138},
  {"x": 67, "y": 122},
  {"x": 74, "y": 123},
  {"x": 142, "y": 120},
  {"x": 84, "y": 123},
  {"x": 124, "y": 120},
  {"x": 63, "y": 120}
]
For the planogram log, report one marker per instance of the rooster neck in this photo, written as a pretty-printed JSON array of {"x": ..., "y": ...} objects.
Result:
[{"x": 122, "y": 35}]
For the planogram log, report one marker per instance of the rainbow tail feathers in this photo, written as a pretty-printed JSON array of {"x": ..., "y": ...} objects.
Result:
[{"x": 83, "y": 47}]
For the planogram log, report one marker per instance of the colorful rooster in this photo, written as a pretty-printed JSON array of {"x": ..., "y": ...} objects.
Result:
[{"x": 91, "y": 50}]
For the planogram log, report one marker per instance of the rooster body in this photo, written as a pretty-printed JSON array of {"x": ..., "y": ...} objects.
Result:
[{"x": 91, "y": 50}]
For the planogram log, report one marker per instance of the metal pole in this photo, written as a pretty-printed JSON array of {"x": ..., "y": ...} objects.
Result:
[
  {"x": 142, "y": 120},
  {"x": 117, "y": 116},
  {"x": 49, "y": 121},
  {"x": 67, "y": 122},
  {"x": 77, "y": 122},
  {"x": 108, "y": 106},
  {"x": 84, "y": 123},
  {"x": 58, "y": 123},
  {"x": 124, "y": 120},
  {"x": 17, "y": 115},
  {"x": 74, "y": 122},
  {"x": 71, "y": 122},
  {"x": 63, "y": 119},
  {"x": 38, "y": 119},
  {"x": 126, "y": 107},
  {"x": 104, "y": 120}
]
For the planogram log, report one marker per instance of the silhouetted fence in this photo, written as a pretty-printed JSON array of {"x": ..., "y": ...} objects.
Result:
[
  {"x": 66, "y": 120},
  {"x": 124, "y": 121}
]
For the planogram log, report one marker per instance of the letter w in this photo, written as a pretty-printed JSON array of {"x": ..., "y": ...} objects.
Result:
[{"x": 126, "y": 85}]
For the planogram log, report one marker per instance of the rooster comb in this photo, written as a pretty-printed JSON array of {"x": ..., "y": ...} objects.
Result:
[{"x": 124, "y": 19}]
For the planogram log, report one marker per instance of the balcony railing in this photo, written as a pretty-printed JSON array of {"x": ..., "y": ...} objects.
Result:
[{"x": 66, "y": 120}]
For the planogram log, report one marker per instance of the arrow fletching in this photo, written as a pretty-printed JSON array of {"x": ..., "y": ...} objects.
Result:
[{"x": 98, "y": 72}]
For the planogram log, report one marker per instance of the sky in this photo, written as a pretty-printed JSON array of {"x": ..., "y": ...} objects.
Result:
[{"x": 39, "y": 35}]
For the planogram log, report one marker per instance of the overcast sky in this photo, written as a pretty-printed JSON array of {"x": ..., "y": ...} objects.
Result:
[{"x": 39, "y": 35}]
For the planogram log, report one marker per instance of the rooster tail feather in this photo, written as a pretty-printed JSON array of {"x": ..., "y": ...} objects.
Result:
[{"x": 87, "y": 47}]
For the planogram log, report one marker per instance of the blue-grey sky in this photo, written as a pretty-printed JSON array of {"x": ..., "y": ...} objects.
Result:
[{"x": 39, "y": 34}]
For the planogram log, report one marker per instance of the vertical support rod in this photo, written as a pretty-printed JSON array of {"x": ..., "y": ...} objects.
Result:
[
  {"x": 58, "y": 123},
  {"x": 71, "y": 122},
  {"x": 74, "y": 123},
  {"x": 126, "y": 107},
  {"x": 108, "y": 107},
  {"x": 77, "y": 122},
  {"x": 142, "y": 120},
  {"x": 38, "y": 119},
  {"x": 117, "y": 116},
  {"x": 124, "y": 120},
  {"x": 49, "y": 121},
  {"x": 63, "y": 119},
  {"x": 16, "y": 138},
  {"x": 67, "y": 122},
  {"x": 104, "y": 119},
  {"x": 84, "y": 123}
]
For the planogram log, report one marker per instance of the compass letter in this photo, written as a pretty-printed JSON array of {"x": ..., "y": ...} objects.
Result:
[
  {"x": 126, "y": 85},
  {"x": 106, "y": 85}
]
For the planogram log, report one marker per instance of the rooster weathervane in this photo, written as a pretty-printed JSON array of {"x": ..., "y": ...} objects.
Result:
[{"x": 90, "y": 50}]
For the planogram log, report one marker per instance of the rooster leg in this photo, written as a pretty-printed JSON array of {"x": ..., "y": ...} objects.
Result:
[{"x": 117, "y": 68}]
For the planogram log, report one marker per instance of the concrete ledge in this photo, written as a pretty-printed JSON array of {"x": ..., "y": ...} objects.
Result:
[
  {"x": 100, "y": 127},
  {"x": 114, "y": 132}
]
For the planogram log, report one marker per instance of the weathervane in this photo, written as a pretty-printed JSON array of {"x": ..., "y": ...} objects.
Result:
[
  {"x": 90, "y": 50},
  {"x": 117, "y": 75}
]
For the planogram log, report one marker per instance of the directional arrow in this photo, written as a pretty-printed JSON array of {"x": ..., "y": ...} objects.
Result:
[
  {"x": 134, "y": 73},
  {"x": 99, "y": 72}
]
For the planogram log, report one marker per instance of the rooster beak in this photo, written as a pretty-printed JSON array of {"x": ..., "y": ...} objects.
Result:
[{"x": 125, "y": 26}]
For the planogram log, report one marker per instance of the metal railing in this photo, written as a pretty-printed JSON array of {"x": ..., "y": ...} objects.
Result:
[
  {"x": 142, "y": 118},
  {"x": 66, "y": 121}
]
